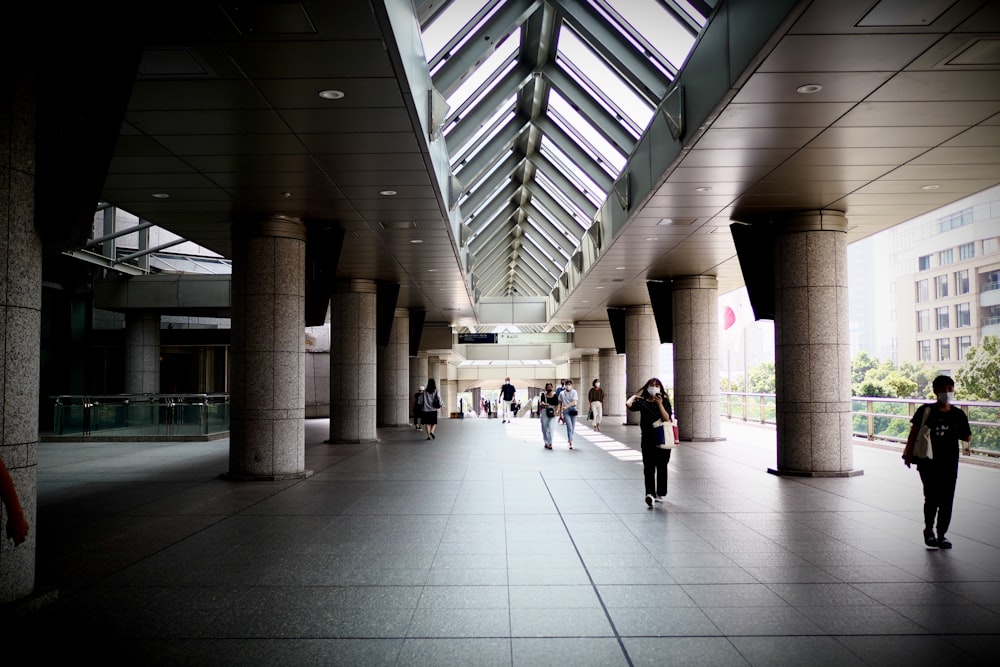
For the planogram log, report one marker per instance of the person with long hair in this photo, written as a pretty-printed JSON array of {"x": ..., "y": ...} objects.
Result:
[
  {"x": 595, "y": 397},
  {"x": 653, "y": 405},
  {"x": 429, "y": 416}
]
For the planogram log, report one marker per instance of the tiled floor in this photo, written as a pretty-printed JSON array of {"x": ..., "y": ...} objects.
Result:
[{"x": 482, "y": 548}]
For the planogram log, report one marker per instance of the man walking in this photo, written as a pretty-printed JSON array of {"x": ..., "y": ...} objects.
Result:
[{"x": 507, "y": 392}]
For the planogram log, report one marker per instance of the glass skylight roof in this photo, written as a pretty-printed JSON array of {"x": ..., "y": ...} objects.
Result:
[{"x": 546, "y": 101}]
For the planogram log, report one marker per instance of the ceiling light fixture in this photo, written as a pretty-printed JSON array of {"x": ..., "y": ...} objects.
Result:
[
  {"x": 331, "y": 94},
  {"x": 809, "y": 88},
  {"x": 388, "y": 193},
  {"x": 619, "y": 268},
  {"x": 703, "y": 188},
  {"x": 416, "y": 240},
  {"x": 652, "y": 238},
  {"x": 932, "y": 186}
]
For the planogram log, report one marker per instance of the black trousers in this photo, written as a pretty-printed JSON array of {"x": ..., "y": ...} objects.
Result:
[
  {"x": 654, "y": 469},
  {"x": 939, "y": 494}
]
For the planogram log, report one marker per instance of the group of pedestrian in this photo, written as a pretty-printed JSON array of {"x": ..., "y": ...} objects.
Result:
[{"x": 558, "y": 404}]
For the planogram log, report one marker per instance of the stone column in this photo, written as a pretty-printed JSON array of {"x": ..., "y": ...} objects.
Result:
[
  {"x": 812, "y": 350},
  {"x": 697, "y": 403},
  {"x": 590, "y": 368},
  {"x": 267, "y": 403},
  {"x": 642, "y": 346},
  {"x": 477, "y": 397},
  {"x": 142, "y": 354},
  {"x": 418, "y": 375},
  {"x": 394, "y": 373},
  {"x": 449, "y": 398},
  {"x": 612, "y": 374},
  {"x": 353, "y": 362},
  {"x": 20, "y": 324}
]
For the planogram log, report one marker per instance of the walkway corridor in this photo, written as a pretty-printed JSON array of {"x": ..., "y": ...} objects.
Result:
[{"x": 482, "y": 548}]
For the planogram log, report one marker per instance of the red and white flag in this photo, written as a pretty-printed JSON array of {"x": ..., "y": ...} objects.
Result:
[{"x": 735, "y": 315}]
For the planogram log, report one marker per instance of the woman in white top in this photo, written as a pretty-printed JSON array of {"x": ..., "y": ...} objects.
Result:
[{"x": 568, "y": 400}]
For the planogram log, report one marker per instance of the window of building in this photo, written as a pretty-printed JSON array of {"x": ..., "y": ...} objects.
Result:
[
  {"x": 962, "y": 281},
  {"x": 989, "y": 246},
  {"x": 963, "y": 315},
  {"x": 922, "y": 293},
  {"x": 967, "y": 250},
  {"x": 924, "y": 350},
  {"x": 991, "y": 281},
  {"x": 964, "y": 343},
  {"x": 940, "y": 287},
  {"x": 941, "y": 314},
  {"x": 963, "y": 217},
  {"x": 924, "y": 263},
  {"x": 923, "y": 320},
  {"x": 944, "y": 349},
  {"x": 946, "y": 257}
]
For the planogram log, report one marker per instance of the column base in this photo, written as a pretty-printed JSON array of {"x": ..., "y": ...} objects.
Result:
[
  {"x": 351, "y": 442},
  {"x": 241, "y": 477},
  {"x": 703, "y": 439},
  {"x": 36, "y": 600},
  {"x": 816, "y": 473}
]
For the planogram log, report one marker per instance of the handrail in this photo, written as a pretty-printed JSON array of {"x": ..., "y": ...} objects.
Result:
[
  {"x": 151, "y": 414},
  {"x": 984, "y": 418}
]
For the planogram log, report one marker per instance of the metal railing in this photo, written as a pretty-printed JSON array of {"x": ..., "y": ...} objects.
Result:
[
  {"x": 880, "y": 419},
  {"x": 141, "y": 414}
]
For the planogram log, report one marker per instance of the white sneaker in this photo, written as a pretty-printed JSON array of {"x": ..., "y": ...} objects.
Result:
[
  {"x": 658, "y": 499},
  {"x": 649, "y": 500}
]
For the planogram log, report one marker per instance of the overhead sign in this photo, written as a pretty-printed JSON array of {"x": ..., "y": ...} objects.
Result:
[{"x": 475, "y": 338}]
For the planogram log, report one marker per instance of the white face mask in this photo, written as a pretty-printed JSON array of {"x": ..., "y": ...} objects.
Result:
[
  {"x": 946, "y": 397},
  {"x": 597, "y": 384},
  {"x": 653, "y": 391}
]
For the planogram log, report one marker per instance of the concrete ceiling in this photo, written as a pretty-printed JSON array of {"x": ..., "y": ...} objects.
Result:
[{"x": 226, "y": 119}]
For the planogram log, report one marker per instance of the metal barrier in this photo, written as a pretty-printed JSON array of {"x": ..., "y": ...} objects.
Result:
[
  {"x": 880, "y": 419},
  {"x": 141, "y": 414}
]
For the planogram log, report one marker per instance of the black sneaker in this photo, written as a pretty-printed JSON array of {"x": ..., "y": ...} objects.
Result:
[
  {"x": 943, "y": 543},
  {"x": 649, "y": 500},
  {"x": 929, "y": 540}
]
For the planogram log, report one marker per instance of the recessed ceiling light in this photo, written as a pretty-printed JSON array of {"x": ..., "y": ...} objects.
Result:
[
  {"x": 809, "y": 88},
  {"x": 703, "y": 188},
  {"x": 431, "y": 270},
  {"x": 286, "y": 195},
  {"x": 331, "y": 94},
  {"x": 619, "y": 268},
  {"x": 416, "y": 240},
  {"x": 599, "y": 287},
  {"x": 652, "y": 238},
  {"x": 666, "y": 221},
  {"x": 388, "y": 193},
  {"x": 160, "y": 195},
  {"x": 932, "y": 186}
]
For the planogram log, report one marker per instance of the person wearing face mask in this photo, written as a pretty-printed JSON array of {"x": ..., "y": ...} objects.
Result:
[
  {"x": 652, "y": 404},
  {"x": 939, "y": 471},
  {"x": 596, "y": 399},
  {"x": 547, "y": 404},
  {"x": 568, "y": 400}
]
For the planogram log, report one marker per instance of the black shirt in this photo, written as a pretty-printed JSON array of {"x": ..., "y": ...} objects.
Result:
[{"x": 947, "y": 428}]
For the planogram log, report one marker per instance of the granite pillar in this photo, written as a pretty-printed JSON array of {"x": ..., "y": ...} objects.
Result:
[
  {"x": 353, "y": 374},
  {"x": 642, "y": 348},
  {"x": 697, "y": 402},
  {"x": 20, "y": 325},
  {"x": 394, "y": 373},
  {"x": 267, "y": 401},
  {"x": 812, "y": 350},
  {"x": 612, "y": 374},
  {"x": 142, "y": 354},
  {"x": 590, "y": 370}
]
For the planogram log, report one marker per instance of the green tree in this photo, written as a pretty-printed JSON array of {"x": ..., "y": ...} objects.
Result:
[
  {"x": 860, "y": 365},
  {"x": 923, "y": 375},
  {"x": 761, "y": 378},
  {"x": 979, "y": 379},
  {"x": 900, "y": 385}
]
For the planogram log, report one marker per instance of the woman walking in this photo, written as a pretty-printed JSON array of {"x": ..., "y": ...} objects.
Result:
[
  {"x": 547, "y": 404},
  {"x": 431, "y": 405},
  {"x": 653, "y": 406},
  {"x": 596, "y": 399},
  {"x": 568, "y": 399}
]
